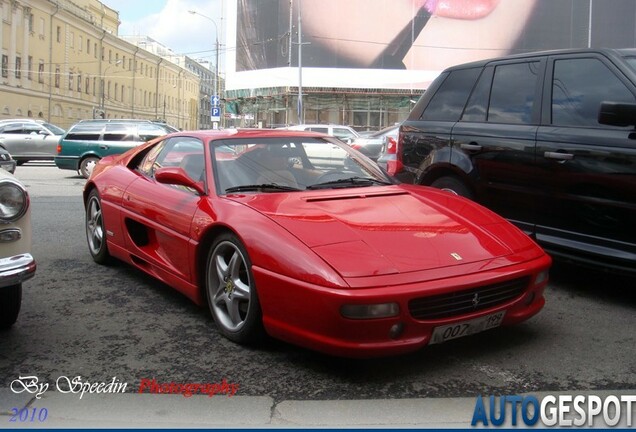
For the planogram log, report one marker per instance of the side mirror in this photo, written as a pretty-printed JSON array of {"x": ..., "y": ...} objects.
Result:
[
  {"x": 617, "y": 114},
  {"x": 177, "y": 176}
]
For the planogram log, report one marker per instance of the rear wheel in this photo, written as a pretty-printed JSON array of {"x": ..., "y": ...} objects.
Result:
[
  {"x": 87, "y": 165},
  {"x": 231, "y": 292},
  {"x": 453, "y": 185},
  {"x": 10, "y": 301},
  {"x": 95, "y": 231}
]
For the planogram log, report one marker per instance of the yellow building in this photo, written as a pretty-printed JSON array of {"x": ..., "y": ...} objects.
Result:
[{"x": 62, "y": 61}]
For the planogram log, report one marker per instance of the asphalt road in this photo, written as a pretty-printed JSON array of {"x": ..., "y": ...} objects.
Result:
[{"x": 79, "y": 318}]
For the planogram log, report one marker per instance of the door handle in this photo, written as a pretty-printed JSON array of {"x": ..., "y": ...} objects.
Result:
[
  {"x": 471, "y": 147},
  {"x": 558, "y": 156},
  {"x": 103, "y": 147}
]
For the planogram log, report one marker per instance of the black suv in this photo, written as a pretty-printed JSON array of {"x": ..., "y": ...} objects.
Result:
[{"x": 547, "y": 140}]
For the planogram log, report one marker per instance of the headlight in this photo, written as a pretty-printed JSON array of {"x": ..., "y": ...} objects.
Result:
[{"x": 14, "y": 201}]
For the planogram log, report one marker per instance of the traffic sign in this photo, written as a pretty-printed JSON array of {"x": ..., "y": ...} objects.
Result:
[{"x": 215, "y": 114}]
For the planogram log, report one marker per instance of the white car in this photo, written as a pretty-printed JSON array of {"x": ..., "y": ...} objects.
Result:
[
  {"x": 343, "y": 133},
  {"x": 16, "y": 262}
]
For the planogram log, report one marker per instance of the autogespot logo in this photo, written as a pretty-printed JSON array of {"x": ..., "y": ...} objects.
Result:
[{"x": 554, "y": 410}]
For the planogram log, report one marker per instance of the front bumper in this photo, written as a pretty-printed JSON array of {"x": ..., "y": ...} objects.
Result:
[
  {"x": 310, "y": 316},
  {"x": 16, "y": 269}
]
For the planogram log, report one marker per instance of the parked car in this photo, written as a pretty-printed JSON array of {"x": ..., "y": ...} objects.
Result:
[
  {"x": 342, "y": 260},
  {"x": 373, "y": 144},
  {"x": 344, "y": 133},
  {"x": 6, "y": 161},
  {"x": 27, "y": 139},
  {"x": 16, "y": 262},
  {"x": 88, "y": 141},
  {"x": 544, "y": 139}
]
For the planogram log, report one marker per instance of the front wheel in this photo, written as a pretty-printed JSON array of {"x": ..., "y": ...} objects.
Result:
[
  {"x": 95, "y": 231},
  {"x": 453, "y": 185},
  {"x": 10, "y": 302},
  {"x": 87, "y": 165},
  {"x": 231, "y": 292}
]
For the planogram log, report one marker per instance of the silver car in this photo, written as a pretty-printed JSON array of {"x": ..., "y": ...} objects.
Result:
[
  {"x": 27, "y": 139},
  {"x": 16, "y": 262}
]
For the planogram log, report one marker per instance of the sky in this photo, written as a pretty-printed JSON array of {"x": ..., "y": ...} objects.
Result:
[{"x": 170, "y": 23}]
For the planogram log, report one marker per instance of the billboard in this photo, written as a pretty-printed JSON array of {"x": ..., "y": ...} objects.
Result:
[{"x": 404, "y": 44}]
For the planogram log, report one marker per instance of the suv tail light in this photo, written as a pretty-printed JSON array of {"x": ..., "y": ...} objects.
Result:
[
  {"x": 59, "y": 148},
  {"x": 393, "y": 156}
]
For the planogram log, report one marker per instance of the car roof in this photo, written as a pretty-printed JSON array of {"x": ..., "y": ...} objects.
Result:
[
  {"x": 22, "y": 120},
  {"x": 610, "y": 52},
  {"x": 248, "y": 133}
]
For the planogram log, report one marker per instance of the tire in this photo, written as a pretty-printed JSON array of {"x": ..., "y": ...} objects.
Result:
[
  {"x": 86, "y": 166},
  {"x": 453, "y": 185},
  {"x": 20, "y": 162},
  {"x": 10, "y": 302},
  {"x": 95, "y": 231},
  {"x": 231, "y": 293}
]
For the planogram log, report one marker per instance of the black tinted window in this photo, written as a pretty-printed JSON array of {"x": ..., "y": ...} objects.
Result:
[
  {"x": 478, "y": 103},
  {"x": 447, "y": 104},
  {"x": 578, "y": 88},
  {"x": 513, "y": 91}
]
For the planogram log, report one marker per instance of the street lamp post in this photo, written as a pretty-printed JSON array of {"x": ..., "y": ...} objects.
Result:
[
  {"x": 102, "y": 104},
  {"x": 216, "y": 67}
]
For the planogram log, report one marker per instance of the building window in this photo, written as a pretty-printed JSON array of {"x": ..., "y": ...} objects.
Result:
[
  {"x": 30, "y": 22},
  {"x": 30, "y": 68},
  {"x": 70, "y": 80},
  {"x": 58, "y": 34},
  {"x": 41, "y": 72},
  {"x": 95, "y": 50},
  {"x": 57, "y": 77},
  {"x": 88, "y": 46},
  {"x": 88, "y": 85},
  {"x": 80, "y": 43},
  {"x": 79, "y": 83},
  {"x": 72, "y": 40},
  {"x": 18, "y": 67},
  {"x": 5, "y": 66},
  {"x": 42, "y": 28},
  {"x": 94, "y": 85},
  {"x": 110, "y": 56}
]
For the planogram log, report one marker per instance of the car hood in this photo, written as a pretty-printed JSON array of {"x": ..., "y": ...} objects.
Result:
[{"x": 388, "y": 230}]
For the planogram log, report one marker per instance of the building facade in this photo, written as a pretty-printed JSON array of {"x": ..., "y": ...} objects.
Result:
[{"x": 62, "y": 61}]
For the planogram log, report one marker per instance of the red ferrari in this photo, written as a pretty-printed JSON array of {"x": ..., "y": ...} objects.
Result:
[{"x": 298, "y": 236}]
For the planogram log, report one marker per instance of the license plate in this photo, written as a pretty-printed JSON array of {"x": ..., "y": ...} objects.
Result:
[{"x": 466, "y": 328}]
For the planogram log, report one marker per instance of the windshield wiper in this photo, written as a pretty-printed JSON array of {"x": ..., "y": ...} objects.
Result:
[
  {"x": 349, "y": 181},
  {"x": 264, "y": 187}
]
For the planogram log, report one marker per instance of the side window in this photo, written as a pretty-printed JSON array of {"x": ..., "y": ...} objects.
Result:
[
  {"x": 448, "y": 103},
  {"x": 183, "y": 152},
  {"x": 13, "y": 128},
  {"x": 147, "y": 163},
  {"x": 513, "y": 93},
  {"x": 32, "y": 129},
  {"x": 319, "y": 129},
  {"x": 84, "y": 132},
  {"x": 119, "y": 132},
  {"x": 477, "y": 106},
  {"x": 578, "y": 88}
]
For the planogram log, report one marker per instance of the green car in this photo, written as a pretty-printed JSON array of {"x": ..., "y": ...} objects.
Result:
[{"x": 88, "y": 141}]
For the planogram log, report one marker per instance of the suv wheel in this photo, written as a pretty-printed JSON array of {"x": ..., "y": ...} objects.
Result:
[{"x": 452, "y": 185}]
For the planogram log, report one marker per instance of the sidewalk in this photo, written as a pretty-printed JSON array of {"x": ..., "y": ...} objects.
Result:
[{"x": 132, "y": 410}]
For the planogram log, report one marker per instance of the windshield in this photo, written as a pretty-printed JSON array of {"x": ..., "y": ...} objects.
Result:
[
  {"x": 265, "y": 165},
  {"x": 56, "y": 130}
]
